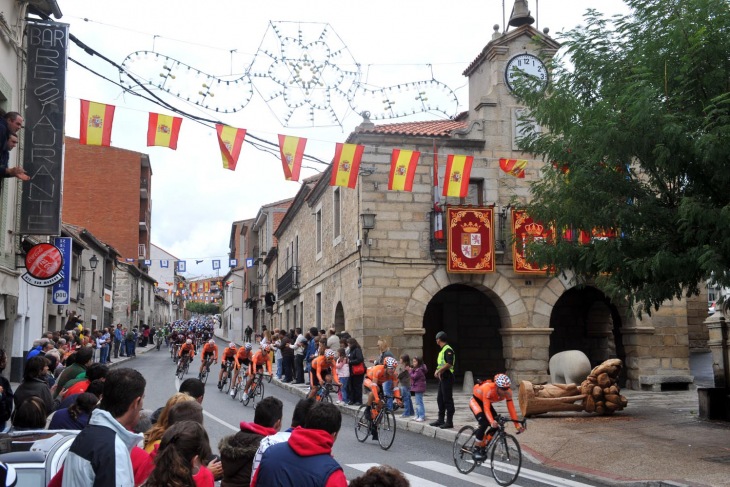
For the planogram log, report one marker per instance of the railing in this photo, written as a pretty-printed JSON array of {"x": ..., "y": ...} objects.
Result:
[{"x": 288, "y": 283}]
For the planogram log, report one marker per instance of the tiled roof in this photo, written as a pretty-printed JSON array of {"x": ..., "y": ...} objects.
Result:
[{"x": 433, "y": 128}]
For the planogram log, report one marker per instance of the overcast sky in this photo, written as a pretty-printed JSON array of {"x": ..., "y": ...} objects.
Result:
[{"x": 195, "y": 200}]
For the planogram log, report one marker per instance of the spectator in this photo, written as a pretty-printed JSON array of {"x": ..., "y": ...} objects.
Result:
[
  {"x": 312, "y": 346},
  {"x": 238, "y": 451},
  {"x": 118, "y": 338},
  {"x": 6, "y": 394},
  {"x": 94, "y": 372},
  {"x": 30, "y": 415},
  {"x": 343, "y": 373},
  {"x": 34, "y": 384},
  {"x": 300, "y": 345},
  {"x": 77, "y": 416},
  {"x": 36, "y": 348},
  {"x": 307, "y": 454},
  {"x": 333, "y": 341},
  {"x": 9, "y": 143},
  {"x": 355, "y": 357},
  {"x": 192, "y": 387},
  {"x": 105, "y": 341},
  {"x": 75, "y": 372},
  {"x": 287, "y": 357},
  {"x": 445, "y": 375},
  {"x": 381, "y": 476},
  {"x": 300, "y": 414},
  {"x": 96, "y": 388},
  {"x": 108, "y": 439},
  {"x": 178, "y": 461},
  {"x": 153, "y": 437}
]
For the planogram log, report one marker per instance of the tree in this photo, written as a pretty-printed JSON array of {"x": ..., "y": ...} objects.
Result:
[
  {"x": 636, "y": 140},
  {"x": 202, "y": 308}
]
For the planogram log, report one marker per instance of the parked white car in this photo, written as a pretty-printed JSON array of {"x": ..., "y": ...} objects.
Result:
[{"x": 36, "y": 456}]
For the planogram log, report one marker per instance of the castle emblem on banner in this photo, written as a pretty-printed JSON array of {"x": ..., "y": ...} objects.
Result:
[
  {"x": 471, "y": 241},
  {"x": 470, "y": 244}
]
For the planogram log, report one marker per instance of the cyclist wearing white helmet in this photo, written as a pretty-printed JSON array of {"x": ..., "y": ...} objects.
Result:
[
  {"x": 481, "y": 404},
  {"x": 243, "y": 361},
  {"x": 375, "y": 377},
  {"x": 259, "y": 359},
  {"x": 210, "y": 349},
  {"x": 229, "y": 355},
  {"x": 323, "y": 370},
  {"x": 186, "y": 354}
]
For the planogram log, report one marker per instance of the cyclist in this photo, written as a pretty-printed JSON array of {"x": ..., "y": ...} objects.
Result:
[
  {"x": 257, "y": 364},
  {"x": 209, "y": 349},
  {"x": 324, "y": 366},
  {"x": 374, "y": 379},
  {"x": 243, "y": 360},
  {"x": 481, "y": 404},
  {"x": 228, "y": 357},
  {"x": 186, "y": 353}
]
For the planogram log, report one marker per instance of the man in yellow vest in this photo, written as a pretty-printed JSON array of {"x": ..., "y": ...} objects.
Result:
[{"x": 445, "y": 374}]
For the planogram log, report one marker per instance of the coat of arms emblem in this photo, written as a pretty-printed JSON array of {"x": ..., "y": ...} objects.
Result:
[
  {"x": 96, "y": 121},
  {"x": 164, "y": 129},
  {"x": 471, "y": 240}
]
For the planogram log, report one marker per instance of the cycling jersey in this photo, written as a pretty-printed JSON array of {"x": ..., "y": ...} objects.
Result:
[
  {"x": 322, "y": 368},
  {"x": 209, "y": 350},
  {"x": 187, "y": 348},
  {"x": 243, "y": 356},
  {"x": 376, "y": 376},
  {"x": 259, "y": 359},
  {"x": 484, "y": 395},
  {"x": 229, "y": 353}
]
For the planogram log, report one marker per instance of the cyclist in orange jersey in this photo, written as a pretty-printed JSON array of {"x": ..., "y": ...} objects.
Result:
[
  {"x": 228, "y": 357},
  {"x": 481, "y": 404},
  {"x": 243, "y": 360},
  {"x": 258, "y": 361},
  {"x": 323, "y": 366},
  {"x": 209, "y": 349}
]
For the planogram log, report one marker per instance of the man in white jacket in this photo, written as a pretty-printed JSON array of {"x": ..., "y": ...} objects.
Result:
[{"x": 99, "y": 456}]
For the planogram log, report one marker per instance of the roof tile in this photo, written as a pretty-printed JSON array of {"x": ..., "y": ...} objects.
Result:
[{"x": 433, "y": 128}]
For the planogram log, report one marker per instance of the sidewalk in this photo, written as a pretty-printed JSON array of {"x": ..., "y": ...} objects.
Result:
[{"x": 657, "y": 440}]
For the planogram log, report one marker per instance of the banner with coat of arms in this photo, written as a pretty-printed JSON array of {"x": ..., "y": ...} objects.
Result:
[
  {"x": 525, "y": 230},
  {"x": 470, "y": 240}
]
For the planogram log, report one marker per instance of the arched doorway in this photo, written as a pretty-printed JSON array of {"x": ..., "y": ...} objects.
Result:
[
  {"x": 339, "y": 317},
  {"x": 471, "y": 321},
  {"x": 584, "y": 319}
]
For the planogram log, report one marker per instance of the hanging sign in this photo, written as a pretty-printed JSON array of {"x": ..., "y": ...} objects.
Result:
[
  {"x": 470, "y": 245},
  {"x": 43, "y": 264}
]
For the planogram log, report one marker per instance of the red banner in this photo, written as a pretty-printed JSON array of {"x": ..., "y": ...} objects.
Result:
[
  {"x": 526, "y": 230},
  {"x": 470, "y": 241}
]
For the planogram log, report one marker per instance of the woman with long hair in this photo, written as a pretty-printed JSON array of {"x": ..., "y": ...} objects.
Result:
[
  {"x": 355, "y": 357},
  {"x": 179, "y": 460},
  {"x": 154, "y": 435},
  {"x": 76, "y": 416}
]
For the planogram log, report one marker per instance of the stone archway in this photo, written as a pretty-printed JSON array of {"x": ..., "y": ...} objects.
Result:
[{"x": 339, "y": 321}]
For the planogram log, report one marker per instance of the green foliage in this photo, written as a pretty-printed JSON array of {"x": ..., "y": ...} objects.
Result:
[
  {"x": 203, "y": 308},
  {"x": 638, "y": 111}
]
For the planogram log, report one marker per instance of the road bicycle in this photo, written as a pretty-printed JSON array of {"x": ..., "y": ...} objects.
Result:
[
  {"x": 238, "y": 381},
  {"x": 203, "y": 376},
  {"x": 383, "y": 423},
  {"x": 324, "y": 391},
  {"x": 226, "y": 386},
  {"x": 503, "y": 452},
  {"x": 257, "y": 388},
  {"x": 174, "y": 350},
  {"x": 182, "y": 366}
]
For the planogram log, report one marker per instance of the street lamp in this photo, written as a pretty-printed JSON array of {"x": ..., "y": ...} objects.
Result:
[
  {"x": 93, "y": 262},
  {"x": 368, "y": 222}
]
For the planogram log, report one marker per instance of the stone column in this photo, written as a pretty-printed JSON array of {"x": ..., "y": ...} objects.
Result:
[
  {"x": 719, "y": 358},
  {"x": 526, "y": 353}
]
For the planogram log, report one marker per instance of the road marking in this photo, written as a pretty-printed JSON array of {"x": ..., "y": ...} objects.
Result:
[
  {"x": 451, "y": 471},
  {"x": 414, "y": 481},
  {"x": 541, "y": 477},
  {"x": 211, "y": 416}
]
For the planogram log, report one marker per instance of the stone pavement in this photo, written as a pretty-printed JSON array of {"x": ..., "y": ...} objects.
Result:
[{"x": 657, "y": 440}]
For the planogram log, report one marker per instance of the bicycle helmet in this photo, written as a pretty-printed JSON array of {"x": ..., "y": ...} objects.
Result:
[
  {"x": 188, "y": 341},
  {"x": 248, "y": 346},
  {"x": 502, "y": 381},
  {"x": 266, "y": 347},
  {"x": 390, "y": 363},
  {"x": 211, "y": 341},
  {"x": 329, "y": 354},
  {"x": 231, "y": 345}
]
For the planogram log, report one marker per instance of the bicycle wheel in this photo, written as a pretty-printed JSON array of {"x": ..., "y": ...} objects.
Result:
[
  {"x": 180, "y": 372},
  {"x": 362, "y": 423},
  {"x": 463, "y": 445},
  {"x": 506, "y": 459},
  {"x": 326, "y": 398},
  {"x": 227, "y": 385},
  {"x": 204, "y": 375},
  {"x": 250, "y": 397},
  {"x": 386, "y": 429}
]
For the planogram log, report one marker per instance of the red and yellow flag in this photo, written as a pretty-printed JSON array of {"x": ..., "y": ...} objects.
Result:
[
  {"x": 402, "y": 169},
  {"x": 230, "y": 140},
  {"x": 96, "y": 123},
  {"x": 163, "y": 130},
  {"x": 346, "y": 165},
  {"x": 292, "y": 151},
  {"x": 456, "y": 179},
  {"x": 513, "y": 167}
]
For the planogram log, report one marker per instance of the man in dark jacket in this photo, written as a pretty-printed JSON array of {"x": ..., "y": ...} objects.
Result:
[
  {"x": 307, "y": 454},
  {"x": 237, "y": 451}
]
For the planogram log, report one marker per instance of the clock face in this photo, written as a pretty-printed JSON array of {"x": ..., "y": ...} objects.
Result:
[{"x": 529, "y": 65}]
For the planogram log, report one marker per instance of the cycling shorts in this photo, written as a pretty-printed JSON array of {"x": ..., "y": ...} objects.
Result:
[
  {"x": 315, "y": 379},
  {"x": 225, "y": 363}
]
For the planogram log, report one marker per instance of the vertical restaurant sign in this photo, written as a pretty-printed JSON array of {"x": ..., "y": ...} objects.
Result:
[
  {"x": 470, "y": 240},
  {"x": 45, "y": 93},
  {"x": 61, "y": 292},
  {"x": 526, "y": 230}
]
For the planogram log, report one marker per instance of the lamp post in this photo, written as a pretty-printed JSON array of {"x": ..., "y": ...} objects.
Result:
[
  {"x": 93, "y": 262},
  {"x": 368, "y": 222}
]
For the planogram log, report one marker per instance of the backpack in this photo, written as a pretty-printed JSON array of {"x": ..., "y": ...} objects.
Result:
[{"x": 129, "y": 336}]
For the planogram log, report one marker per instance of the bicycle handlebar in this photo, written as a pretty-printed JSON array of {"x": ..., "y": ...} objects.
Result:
[{"x": 502, "y": 420}]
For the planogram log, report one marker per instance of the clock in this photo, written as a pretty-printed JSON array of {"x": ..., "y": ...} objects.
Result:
[{"x": 531, "y": 66}]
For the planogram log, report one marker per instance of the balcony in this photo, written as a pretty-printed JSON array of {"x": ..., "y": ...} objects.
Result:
[
  {"x": 438, "y": 245},
  {"x": 144, "y": 189},
  {"x": 144, "y": 221},
  {"x": 288, "y": 284}
]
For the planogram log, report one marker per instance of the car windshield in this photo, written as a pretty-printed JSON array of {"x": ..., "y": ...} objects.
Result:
[{"x": 31, "y": 476}]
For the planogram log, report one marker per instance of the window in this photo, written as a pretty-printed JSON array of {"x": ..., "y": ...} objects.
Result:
[
  {"x": 295, "y": 318},
  {"x": 475, "y": 196},
  {"x": 336, "y": 213},
  {"x": 318, "y": 310},
  {"x": 141, "y": 252},
  {"x": 318, "y": 229}
]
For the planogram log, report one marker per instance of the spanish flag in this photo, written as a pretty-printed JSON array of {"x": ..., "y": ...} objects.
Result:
[
  {"x": 402, "y": 169},
  {"x": 514, "y": 167},
  {"x": 163, "y": 130},
  {"x": 96, "y": 123},
  {"x": 456, "y": 179},
  {"x": 292, "y": 151},
  {"x": 346, "y": 165},
  {"x": 230, "y": 140}
]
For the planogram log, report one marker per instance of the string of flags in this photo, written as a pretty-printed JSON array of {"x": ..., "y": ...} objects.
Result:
[
  {"x": 163, "y": 131},
  {"x": 181, "y": 265}
]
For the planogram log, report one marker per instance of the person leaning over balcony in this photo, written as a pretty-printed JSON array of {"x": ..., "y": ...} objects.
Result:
[{"x": 11, "y": 172}]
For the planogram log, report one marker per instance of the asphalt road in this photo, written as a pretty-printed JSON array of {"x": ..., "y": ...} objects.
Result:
[{"x": 427, "y": 462}]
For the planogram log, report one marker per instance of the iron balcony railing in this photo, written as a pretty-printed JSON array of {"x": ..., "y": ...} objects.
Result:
[{"x": 288, "y": 283}]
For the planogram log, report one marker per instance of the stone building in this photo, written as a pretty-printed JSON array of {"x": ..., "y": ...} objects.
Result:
[{"x": 391, "y": 280}]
